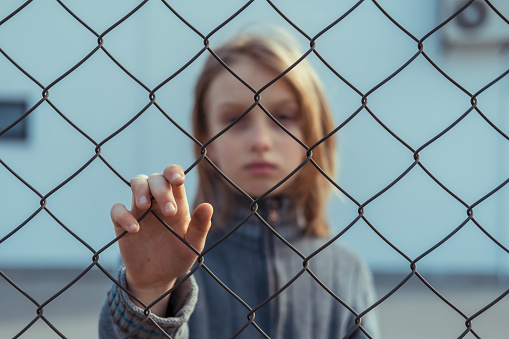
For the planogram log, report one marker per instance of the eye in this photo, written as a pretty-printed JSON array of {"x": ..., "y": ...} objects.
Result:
[
  {"x": 286, "y": 117},
  {"x": 229, "y": 118}
]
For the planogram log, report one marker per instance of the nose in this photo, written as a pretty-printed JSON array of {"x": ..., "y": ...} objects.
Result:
[{"x": 260, "y": 132}]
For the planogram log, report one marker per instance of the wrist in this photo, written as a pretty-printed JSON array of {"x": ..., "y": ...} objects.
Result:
[{"x": 147, "y": 294}]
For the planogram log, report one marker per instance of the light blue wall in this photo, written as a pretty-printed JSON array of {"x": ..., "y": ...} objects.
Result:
[{"x": 365, "y": 48}]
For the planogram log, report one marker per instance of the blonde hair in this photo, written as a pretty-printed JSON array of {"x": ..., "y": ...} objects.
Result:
[{"x": 312, "y": 190}]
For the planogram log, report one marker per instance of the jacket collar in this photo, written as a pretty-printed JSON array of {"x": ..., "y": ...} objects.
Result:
[{"x": 277, "y": 212}]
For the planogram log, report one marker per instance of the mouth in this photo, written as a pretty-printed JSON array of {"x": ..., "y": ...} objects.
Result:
[{"x": 261, "y": 168}]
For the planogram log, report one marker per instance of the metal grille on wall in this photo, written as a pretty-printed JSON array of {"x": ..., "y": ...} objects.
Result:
[{"x": 469, "y": 13}]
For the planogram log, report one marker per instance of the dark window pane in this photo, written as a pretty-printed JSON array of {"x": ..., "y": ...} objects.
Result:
[{"x": 10, "y": 111}]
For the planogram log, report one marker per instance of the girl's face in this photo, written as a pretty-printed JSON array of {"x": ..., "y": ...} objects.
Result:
[{"x": 255, "y": 153}]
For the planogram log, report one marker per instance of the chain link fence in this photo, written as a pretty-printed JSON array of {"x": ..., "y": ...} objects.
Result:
[{"x": 97, "y": 45}]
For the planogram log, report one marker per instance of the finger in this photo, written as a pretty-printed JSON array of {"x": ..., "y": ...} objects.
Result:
[
  {"x": 141, "y": 192},
  {"x": 123, "y": 220},
  {"x": 199, "y": 226},
  {"x": 175, "y": 175},
  {"x": 161, "y": 190}
]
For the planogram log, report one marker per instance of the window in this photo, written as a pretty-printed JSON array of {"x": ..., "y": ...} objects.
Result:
[{"x": 10, "y": 111}]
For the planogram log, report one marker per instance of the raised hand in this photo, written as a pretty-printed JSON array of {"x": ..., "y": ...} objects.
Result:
[{"x": 154, "y": 258}]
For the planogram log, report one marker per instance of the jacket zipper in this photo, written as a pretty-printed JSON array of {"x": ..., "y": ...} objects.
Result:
[{"x": 273, "y": 219}]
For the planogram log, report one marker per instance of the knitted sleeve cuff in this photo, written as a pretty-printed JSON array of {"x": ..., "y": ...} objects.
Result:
[{"x": 130, "y": 320}]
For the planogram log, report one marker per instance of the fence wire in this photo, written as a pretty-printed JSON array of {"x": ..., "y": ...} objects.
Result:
[{"x": 363, "y": 97}]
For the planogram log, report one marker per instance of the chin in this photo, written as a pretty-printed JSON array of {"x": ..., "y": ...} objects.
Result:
[
  {"x": 256, "y": 191},
  {"x": 256, "y": 194}
]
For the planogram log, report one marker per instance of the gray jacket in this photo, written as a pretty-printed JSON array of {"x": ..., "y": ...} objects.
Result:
[{"x": 254, "y": 286}]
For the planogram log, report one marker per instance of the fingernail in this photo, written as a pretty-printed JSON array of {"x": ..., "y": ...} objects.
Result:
[
  {"x": 132, "y": 227},
  {"x": 169, "y": 208},
  {"x": 175, "y": 176},
  {"x": 143, "y": 200}
]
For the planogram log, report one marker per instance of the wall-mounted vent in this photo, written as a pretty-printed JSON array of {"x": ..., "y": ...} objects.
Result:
[{"x": 478, "y": 26}]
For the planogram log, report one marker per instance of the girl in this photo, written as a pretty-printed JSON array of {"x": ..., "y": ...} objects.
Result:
[{"x": 256, "y": 280}]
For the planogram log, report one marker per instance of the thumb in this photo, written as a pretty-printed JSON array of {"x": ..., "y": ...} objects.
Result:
[{"x": 199, "y": 226}]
